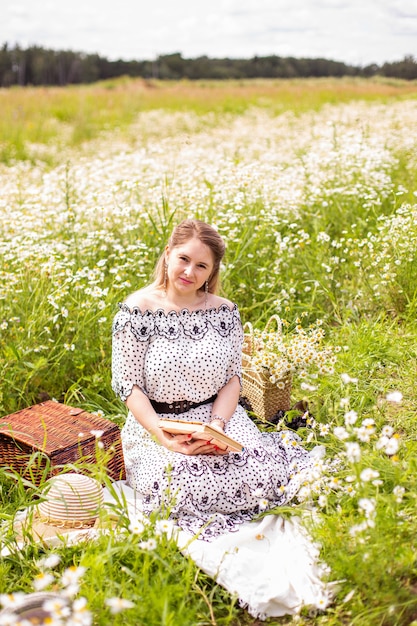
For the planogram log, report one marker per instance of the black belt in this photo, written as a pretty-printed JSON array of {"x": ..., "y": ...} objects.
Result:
[{"x": 179, "y": 406}]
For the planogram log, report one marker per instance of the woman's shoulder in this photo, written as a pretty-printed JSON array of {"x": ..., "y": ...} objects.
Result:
[
  {"x": 217, "y": 302},
  {"x": 148, "y": 301},
  {"x": 137, "y": 313},
  {"x": 144, "y": 299}
]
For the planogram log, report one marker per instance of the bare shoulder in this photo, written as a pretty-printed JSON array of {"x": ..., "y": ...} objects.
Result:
[
  {"x": 217, "y": 301},
  {"x": 143, "y": 299}
]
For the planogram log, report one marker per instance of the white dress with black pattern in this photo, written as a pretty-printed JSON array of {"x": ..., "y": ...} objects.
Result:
[{"x": 191, "y": 356}]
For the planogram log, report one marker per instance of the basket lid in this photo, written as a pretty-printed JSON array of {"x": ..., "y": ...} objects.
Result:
[{"x": 51, "y": 426}]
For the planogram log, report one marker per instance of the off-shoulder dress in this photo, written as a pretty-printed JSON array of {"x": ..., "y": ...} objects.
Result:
[{"x": 191, "y": 356}]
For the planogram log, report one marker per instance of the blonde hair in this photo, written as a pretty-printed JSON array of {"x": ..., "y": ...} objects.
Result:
[{"x": 182, "y": 233}]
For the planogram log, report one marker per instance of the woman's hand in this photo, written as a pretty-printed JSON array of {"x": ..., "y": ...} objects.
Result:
[
  {"x": 143, "y": 411},
  {"x": 186, "y": 444},
  {"x": 218, "y": 425}
]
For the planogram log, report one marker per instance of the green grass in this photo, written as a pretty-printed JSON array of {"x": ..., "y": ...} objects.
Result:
[
  {"x": 319, "y": 214},
  {"x": 39, "y": 122}
]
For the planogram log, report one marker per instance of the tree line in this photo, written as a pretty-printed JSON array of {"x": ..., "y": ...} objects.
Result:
[{"x": 40, "y": 66}]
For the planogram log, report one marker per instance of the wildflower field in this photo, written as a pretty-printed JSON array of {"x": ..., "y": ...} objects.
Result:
[{"x": 313, "y": 185}]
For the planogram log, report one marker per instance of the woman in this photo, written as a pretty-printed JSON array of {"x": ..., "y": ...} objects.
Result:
[{"x": 177, "y": 354}]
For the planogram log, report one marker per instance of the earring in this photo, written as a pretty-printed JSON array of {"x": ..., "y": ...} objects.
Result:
[
  {"x": 206, "y": 292},
  {"x": 165, "y": 279}
]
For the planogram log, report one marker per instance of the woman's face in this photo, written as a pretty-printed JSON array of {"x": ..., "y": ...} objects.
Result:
[{"x": 189, "y": 265}]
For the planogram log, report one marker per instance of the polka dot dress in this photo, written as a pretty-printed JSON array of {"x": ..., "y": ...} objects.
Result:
[{"x": 190, "y": 356}]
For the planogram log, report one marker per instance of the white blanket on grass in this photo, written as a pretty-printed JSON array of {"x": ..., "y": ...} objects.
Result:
[{"x": 271, "y": 565}]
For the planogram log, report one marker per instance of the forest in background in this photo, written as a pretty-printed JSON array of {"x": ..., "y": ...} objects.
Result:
[{"x": 36, "y": 65}]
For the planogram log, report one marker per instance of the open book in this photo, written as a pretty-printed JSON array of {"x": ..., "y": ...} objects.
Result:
[{"x": 200, "y": 430}]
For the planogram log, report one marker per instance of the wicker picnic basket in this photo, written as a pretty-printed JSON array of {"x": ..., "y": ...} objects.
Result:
[
  {"x": 265, "y": 398},
  {"x": 62, "y": 433}
]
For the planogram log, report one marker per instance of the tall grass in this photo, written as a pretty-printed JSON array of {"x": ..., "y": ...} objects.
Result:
[{"x": 319, "y": 214}]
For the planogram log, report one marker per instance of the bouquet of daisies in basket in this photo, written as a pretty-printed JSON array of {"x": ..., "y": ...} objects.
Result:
[{"x": 272, "y": 357}]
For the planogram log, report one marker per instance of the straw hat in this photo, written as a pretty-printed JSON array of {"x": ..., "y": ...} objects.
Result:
[{"x": 72, "y": 503}]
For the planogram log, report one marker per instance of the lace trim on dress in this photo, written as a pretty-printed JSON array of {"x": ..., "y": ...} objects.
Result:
[{"x": 193, "y": 324}]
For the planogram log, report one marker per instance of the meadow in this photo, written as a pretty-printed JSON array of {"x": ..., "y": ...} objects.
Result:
[{"x": 313, "y": 185}]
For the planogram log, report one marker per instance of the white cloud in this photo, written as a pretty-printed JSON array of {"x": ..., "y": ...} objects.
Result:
[{"x": 355, "y": 31}]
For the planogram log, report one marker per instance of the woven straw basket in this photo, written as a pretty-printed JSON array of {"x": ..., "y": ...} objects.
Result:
[
  {"x": 62, "y": 433},
  {"x": 266, "y": 398}
]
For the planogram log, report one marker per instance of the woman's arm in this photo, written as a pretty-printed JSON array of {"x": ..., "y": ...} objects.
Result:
[
  {"x": 226, "y": 402},
  {"x": 143, "y": 411},
  {"x": 228, "y": 396}
]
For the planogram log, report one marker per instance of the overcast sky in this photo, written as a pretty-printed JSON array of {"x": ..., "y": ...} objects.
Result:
[{"x": 358, "y": 32}]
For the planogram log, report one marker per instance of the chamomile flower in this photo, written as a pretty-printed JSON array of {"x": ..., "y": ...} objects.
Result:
[
  {"x": 136, "y": 526},
  {"x": 10, "y": 600},
  {"x": 346, "y": 379},
  {"x": 398, "y": 493},
  {"x": 353, "y": 451},
  {"x": 43, "y": 580},
  {"x": 117, "y": 605},
  {"x": 341, "y": 433},
  {"x": 394, "y": 396},
  {"x": 58, "y": 608},
  {"x": 350, "y": 417},
  {"x": 72, "y": 575},
  {"x": 165, "y": 527},
  {"x": 49, "y": 562},
  {"x": 148, "y": 545},
  {"x": 368, "y": 474},
  {"x": 392, "y": 445}
]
